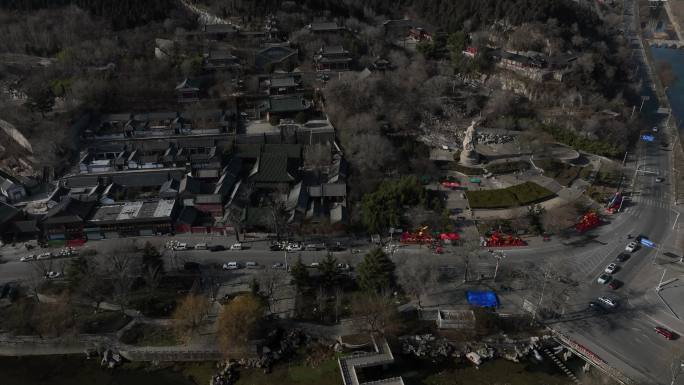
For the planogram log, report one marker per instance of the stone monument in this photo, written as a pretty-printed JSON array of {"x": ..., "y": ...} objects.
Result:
[{"x": 470, "y": 157}]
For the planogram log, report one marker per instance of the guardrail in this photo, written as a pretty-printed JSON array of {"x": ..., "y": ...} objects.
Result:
[{"x": 591, "y": 358}]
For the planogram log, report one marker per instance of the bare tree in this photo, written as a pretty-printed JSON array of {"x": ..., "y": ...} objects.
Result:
[
  {"x": 238, "y": 322},
  {"x": 321, "y": 300},
  {"x": 269, "y": 280},
  {"x": 375, "y": 313},
  {"x": 54, "y": 319},
  {"x": 152, "y": 276},
  {"x": 36, "y": 278},
  {"x": 189, "y": 315},
  {"x": 339, "y": 297},
  {"x": 121, "y": 270},
  {"x": 417, "y": 277},
  {"x": 235, "y": 216},
  {"x": 277, "y": 204}
]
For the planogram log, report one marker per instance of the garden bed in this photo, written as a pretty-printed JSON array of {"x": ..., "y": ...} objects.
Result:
[{"x": 514, "y": 196}]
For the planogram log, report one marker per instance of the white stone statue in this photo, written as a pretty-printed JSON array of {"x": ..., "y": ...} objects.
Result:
[{"x": 468, "y": 155}]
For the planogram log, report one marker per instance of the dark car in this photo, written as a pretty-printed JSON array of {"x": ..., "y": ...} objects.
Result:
[
  {"x": 622, "y": 257},
  {"x": 597, "y": 307},
  {"x": 615, "y": 284},
  {"x": 217, "y": 248},
  {"x": 275, "y": 247},
  {"x": 5, "y": 290}
]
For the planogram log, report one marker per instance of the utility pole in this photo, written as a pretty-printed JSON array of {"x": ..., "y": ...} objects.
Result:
[
  {"x": 499, "y": 256},
  {"x": 465, "y": 274},
  {"x": 541, "y": 296}
]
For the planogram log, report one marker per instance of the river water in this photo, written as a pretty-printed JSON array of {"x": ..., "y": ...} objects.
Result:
[{"x": 675, "y": 92}]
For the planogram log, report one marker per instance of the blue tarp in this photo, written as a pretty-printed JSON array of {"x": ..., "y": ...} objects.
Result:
[{"x": 482, "y": 298}]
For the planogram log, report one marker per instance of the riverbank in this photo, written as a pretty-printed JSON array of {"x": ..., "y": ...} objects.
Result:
[{"x": 76, "y": 370}]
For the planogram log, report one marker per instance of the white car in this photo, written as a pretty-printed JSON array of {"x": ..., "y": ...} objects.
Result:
[
  {"x": 252, "y": 265},
  {"x": 294, "y": 247},
  {"x": 231, "y": 266},
  {"x": 655, "y": 128},
  {"x": 611, "y": 302},
  {"x": 27, "y": 258},
  {"x": 52, "y": 275},
  {"x": 631, "y": 247},
  {"x": 201, "y": 246},
  {"x": 610, "y": 269},
  {"x": 603, "y": 279},
  {"x": 180, "y": 246},
  {"x": 314, "y": 265},
  {"x": 44, "y": 256},
  {"x": 236, "y": 246}
]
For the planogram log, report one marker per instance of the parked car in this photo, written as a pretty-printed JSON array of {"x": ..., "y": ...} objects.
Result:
[
  {"x": 314, "y": 246},
  {"x": 660, "y": 179},
  {"x": 314, "y": 265},
  {"x": 655, "y": 129},
  {"x": 610, "y": 302},
  {"x": 27, "y": 258},
  {"x": 52, "y": 275},
  {"x": 231, "y": 266},
  {"x": 180, "y": 246},
  {"x": 278, "y": 265},
  {"x": 622, "y": 257},
  {"x": 275, "y": 247},
  {"x": 611, "y": 268},
  {"x": 669, "y": 335},
  {"x": 201, "y": 246},
  {"x": 615, "y": 284},
  {"x": 604, "y": 278},
  {"x": 596, "y": 306},
  {"x": 294, "y": 246},
  {"x": 344, "y": 267},
  {"x": 44, "y": 256},
  {"x": 217, "y": 248},
  {"x": 631, "y": 247},
  {"x": 236, "y": 246},
  {"x": 252, "y": 265}
]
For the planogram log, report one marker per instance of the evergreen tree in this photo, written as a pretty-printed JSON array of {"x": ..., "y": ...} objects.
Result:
[
  {"x": 299, "y": 273},
  {"x": 328, "y": 270},
  {"x": 376, "y": 271}
]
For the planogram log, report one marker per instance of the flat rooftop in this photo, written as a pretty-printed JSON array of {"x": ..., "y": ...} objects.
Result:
[{"x": 134, "y": 211}]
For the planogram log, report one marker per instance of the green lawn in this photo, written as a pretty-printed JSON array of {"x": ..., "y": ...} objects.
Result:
[
  {"x": 518, "y": 195},
  {"x": 143, "y": 334},
  {"x": 563, "y": 173},
  {"x": 327, "y": 373}
]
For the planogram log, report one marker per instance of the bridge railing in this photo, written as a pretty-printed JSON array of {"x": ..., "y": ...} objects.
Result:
[{"x": 592, "y": 358}]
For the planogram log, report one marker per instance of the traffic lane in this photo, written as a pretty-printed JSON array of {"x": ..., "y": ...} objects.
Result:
[
  {"x": 626, "y": 343},
  {"x": 15, "y": 271}
]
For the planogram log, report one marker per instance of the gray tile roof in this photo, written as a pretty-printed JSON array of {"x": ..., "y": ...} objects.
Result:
[
  {"x": 290, "y": 103},
  {"x": 272, "y": 168}
]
